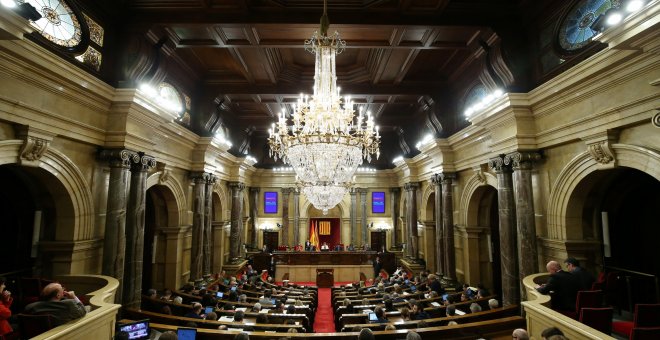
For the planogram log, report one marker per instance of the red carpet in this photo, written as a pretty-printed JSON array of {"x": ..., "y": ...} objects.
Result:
[{"x": 324, "y": 321}]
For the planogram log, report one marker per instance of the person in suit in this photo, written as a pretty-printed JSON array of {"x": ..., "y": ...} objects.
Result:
[
  {"x": 377, "y": 266},
  {"x": 562, "y": 287},
  {"x": 308, "y": 246},
  {"x": 62, "y": 305},
  {"x": 584, "y": 278}
]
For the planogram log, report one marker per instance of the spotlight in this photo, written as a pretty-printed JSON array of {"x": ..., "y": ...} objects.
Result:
[{"x": 634, "y": 5}]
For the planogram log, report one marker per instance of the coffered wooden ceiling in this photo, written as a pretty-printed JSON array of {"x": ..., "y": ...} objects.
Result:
[{"x": 399, "y": 54}]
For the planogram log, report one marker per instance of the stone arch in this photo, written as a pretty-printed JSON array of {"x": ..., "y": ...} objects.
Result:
[
  {"x": 175, "y": 199},
  {"x": 74, "y": 205},
  {"x": 220, "y": 192},
  {"x": 343, "y": 209},
  {"x": 427, "y": 205},
  {"x": 469, "y": 201},
  {"x": 560, "y": 214}
]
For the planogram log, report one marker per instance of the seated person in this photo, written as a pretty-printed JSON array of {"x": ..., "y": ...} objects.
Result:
[
  {"x": 196, "y": 312},
  {"x": 61, "y": 305},
  {"x": 380, "y": 315},
  {"x": 350, "y": 247},
  {"x": 325, "y": 247}
]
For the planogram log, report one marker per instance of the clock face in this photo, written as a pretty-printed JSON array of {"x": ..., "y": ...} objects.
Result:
[
  {"x": 575, "y": 31},
  {"x": 58, "y": 22}
]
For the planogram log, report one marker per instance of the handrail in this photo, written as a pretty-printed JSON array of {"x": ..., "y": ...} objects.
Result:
[
  {"x": 99, "y": 323},
  {"x": 630, "y": 271}
]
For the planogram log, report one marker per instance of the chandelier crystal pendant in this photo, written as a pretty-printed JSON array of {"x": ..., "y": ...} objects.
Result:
[{"x": 324, "y": 141}]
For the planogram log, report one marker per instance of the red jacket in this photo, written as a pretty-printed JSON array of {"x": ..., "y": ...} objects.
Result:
[{"x": 5, "y": 313}]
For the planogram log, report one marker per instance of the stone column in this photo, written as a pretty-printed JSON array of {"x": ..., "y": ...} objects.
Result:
[
  {"x": 137, "y": 199},
  {"x": 507, "y": 221},
  {"x": 296, "y": 217},
  {"x": 411, "y": 220},
  {"x": 236, "y": 221},
  {"x": 394, "y": 207},
  {"x": 286, "y": 194},
  {"x": 254, "y": 212},
  {"x": 207, "y": 242},
  {"x": 448, "y": 226},
  {"x": 114, "y": 242},
  {"x": 353, "y": 194},
  {"x": 199, "y": 208},
  {"x": 524, "y": 198},
  {"x": 436, "y": 180},
  {"x": 363, "y": 205}
]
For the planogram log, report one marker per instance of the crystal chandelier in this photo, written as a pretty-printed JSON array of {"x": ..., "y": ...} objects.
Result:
[{"x": 325, "y": 142}]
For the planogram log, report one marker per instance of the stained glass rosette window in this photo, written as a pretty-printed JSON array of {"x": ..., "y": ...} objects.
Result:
[{"x": 58, "y": 22}]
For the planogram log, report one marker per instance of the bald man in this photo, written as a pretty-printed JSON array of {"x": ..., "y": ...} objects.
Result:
[
  {"x": 63, "y": 306},
  {"x": 520, "y": 334},
  {"x": 562, "y": 287}
]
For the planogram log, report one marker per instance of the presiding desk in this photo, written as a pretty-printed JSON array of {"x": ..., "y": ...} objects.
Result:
[{"x": 346, "y": 265}]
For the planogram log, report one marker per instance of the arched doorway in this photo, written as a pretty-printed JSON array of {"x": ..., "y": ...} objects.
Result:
[
  {"x": 160, "y": 213},
  {"x": 628, "y": 199},
  {"x": 31, "y": 215},
  {"x": 483, "y": 217}
]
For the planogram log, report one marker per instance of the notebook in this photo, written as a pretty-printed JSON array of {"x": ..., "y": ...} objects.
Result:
[{"x": 226, "y": 318}]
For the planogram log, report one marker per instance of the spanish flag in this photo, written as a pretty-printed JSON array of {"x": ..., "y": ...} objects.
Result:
[{"x": 314, "y": 235}]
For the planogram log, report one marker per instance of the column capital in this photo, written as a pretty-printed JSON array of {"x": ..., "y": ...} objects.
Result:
[
  {"x": 521, "y": 160},
  {"x": 143, "y": 162},
  {"x": 255, "y": 190},
  {"x": 447, "y": 177},
  {"x": 436, "y": 179},
  {"x": 211, "y": 179},
  {"x": 353, "y": 191},
  {"x": 412, "y": 186},
  {"x": 119, "y": 157},
  {"x": 395, "y": 190},
  {"x": 497, "y": 164},
  {"x": 287, "y": 191},
  {"x": 362, "y": 191},
  {"x": 237, "y": 186},
  {"x": 199, "y": 177}
]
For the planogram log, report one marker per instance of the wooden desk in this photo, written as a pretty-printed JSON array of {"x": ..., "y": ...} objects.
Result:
[{"x": 325, "y": 277}]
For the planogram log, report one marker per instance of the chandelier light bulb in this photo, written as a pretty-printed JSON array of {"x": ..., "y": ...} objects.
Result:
[{"x": 324, "y": 142}]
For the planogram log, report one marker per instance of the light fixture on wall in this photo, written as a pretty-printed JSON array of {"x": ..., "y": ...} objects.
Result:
[{"x": 325, "y": 142}]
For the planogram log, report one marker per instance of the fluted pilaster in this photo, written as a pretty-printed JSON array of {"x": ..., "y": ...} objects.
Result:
[
  {"x": 448, "y": 226},
  {"x": 353, "y": 216},
  {"x": 114, "y": 242},
  {"x": 132, "y": 292},
  {"x": 207, "y": 242},
  {"x": 236, "y": 221},
  {"x": 199, "y": 180},
  {"x": 507, "y": 224},
  {"x": 522, "y": 163},
  {"x": 411, "y": 220},
  {"x": 436, "y": 180},
  {"x": 394, "y": 208},
  {"x": 254, "y": 212}
]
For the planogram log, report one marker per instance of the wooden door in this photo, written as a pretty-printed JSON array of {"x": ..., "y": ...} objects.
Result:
[
  {"x": 378, "y": 240},
  {"x": 271, "y": 240}
]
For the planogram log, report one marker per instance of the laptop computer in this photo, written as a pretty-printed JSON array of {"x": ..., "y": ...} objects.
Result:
[
  {"x": 135, "y": 330},
  {"x": 372, "y": 317},
  {"x": 219, "y": 295},
  {"x": 209, "y": 309},
  {"x": 186, "y": 333}
]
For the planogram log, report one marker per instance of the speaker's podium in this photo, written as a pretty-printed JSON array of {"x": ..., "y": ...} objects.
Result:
[{"x": 325, "y": 277}]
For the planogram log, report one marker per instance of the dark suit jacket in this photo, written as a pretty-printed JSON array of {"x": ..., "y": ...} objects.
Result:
[
  {"x": 584, "y": 278},
  {"x": 61, "y": 311},
  {"x": 562, "y": 287}
]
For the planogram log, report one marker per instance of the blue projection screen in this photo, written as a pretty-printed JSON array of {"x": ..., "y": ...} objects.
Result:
[
  {"x": 270, "y": 202},
  {"x": 377, "y": 202}
]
